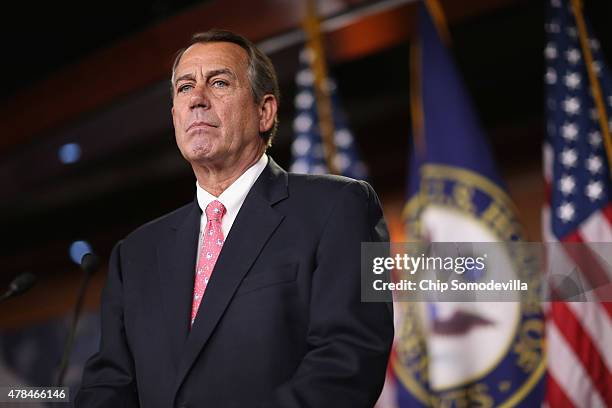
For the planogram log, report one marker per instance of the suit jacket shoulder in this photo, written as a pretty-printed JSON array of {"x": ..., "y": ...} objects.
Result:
[
  {"x": 324, "y": 194},
  {"x": 324, "y": 183}
]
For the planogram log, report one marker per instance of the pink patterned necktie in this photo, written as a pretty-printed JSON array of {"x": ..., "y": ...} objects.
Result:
[{"x": 212, "y": 241}]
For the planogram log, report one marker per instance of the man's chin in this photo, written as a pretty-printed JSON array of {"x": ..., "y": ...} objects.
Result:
[
  {"x": 199, "y": 152},
  {"x": 205, "y": 158}
]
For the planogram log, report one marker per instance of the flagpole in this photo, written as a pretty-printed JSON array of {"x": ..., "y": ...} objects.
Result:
[
  {"x": 416, "y": 99},
  {"x": 416, "y": 102},
  {"x": 324, "y": 108},
  {"x": 594, "y": 82},
  {"x": 439, "y": 18}
]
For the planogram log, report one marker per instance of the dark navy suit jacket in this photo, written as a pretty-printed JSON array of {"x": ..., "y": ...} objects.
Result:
[{"x": 281, "y": 323}]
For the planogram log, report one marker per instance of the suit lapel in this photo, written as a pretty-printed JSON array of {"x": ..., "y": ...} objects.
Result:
[
  {"x": 255, "y": 222},
  {"x": 176, "y": 260}
]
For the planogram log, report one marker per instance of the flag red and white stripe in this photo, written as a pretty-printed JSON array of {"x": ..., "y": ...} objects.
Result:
[{"x": 579, "y": 334}]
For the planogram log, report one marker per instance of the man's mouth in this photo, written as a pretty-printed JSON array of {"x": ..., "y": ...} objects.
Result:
[{"x": 201, "y": 125}]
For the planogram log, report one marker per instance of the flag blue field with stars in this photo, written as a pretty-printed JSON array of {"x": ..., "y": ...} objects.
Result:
[
  {"x": 573, "y": 132},
  {"x": 307, "y": 148}
]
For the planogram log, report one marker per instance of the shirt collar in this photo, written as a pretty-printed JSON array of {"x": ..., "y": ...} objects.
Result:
[{"x": 233, "y": 196}]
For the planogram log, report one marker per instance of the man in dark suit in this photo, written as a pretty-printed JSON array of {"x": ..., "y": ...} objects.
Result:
[{"x": 250, "y": 295}]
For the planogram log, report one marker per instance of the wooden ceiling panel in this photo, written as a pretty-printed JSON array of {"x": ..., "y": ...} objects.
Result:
[{"x": 145, "y": 58}]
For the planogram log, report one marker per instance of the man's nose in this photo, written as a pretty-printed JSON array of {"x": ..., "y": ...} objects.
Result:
[{"x": 199, "y": 98}]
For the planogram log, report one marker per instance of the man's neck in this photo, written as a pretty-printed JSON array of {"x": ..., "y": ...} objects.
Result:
[{"x": 216, "y": 180}]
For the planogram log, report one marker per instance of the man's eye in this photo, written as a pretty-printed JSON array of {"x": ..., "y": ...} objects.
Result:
[
  {"x": 219, "y": 84},
  {"x": 184, "y": 88}
]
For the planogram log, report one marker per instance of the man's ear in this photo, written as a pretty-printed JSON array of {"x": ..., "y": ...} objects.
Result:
[{"x": 267, "y": 112}]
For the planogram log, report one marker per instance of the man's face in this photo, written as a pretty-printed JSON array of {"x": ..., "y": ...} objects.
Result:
[{"x": 216, "y": 119}]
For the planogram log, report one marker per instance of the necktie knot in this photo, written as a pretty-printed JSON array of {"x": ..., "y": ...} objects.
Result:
[{"x": 215, "y": 211}]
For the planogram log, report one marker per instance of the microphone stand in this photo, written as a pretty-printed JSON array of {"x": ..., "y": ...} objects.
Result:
[{"x": 89, "y": 264}]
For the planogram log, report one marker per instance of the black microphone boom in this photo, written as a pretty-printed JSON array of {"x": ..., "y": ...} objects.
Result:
[
  {"x": 19, "y": 285},
  {"x": 90, "y": 264}
]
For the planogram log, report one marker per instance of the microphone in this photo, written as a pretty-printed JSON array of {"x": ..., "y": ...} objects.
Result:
[
  {"x": 90, "y": 263},
  {"x": 19, "y": 285}
]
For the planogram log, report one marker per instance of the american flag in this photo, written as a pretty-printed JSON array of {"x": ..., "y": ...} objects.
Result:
[
  {"x": 307, "y": 148},
  {"x": 578, "y": 208}
]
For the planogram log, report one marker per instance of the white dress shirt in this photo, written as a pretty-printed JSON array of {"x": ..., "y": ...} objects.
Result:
[{"x": 232, "y": 198}]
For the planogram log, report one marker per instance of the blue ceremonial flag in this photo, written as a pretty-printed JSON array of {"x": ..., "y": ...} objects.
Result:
[
  {"x": 448, "y": 353},
  {"x": 307, "y": 148}
]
